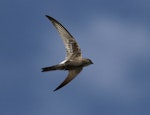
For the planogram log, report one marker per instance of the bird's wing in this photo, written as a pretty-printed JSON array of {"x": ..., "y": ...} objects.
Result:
[
  {"x": 71, "y": 75},
  {"x": 72, "y": 48}
]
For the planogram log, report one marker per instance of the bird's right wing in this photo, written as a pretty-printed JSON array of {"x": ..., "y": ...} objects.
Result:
[
  {"x": 72, "y": 48},
  {"x": 71, "y": 75}
]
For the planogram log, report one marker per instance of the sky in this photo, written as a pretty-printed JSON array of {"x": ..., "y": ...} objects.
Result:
[{"x": 114, "y": 34}]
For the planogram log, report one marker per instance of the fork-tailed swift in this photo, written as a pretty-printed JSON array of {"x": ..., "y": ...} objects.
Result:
[{"x": 74, "y": 62}]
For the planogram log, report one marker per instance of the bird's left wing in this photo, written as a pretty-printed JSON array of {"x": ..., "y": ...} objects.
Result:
[{"x": 71, "y": 75}]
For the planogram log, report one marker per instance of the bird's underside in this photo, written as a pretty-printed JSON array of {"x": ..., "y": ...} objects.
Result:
[{"x": 74, "y": 61}]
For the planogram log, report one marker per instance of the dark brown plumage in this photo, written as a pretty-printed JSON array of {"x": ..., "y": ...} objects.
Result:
[{"x": 74, "y": 62}]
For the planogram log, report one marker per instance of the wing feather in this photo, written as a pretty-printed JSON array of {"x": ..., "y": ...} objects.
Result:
[
  {"x": 72, "y": 48},
  {"x": 71, "y": 75}
]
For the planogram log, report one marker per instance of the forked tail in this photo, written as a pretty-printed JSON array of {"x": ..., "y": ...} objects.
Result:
[{"x": 51, "y": 68}]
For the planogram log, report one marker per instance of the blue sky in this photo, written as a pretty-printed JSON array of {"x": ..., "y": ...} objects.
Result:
[{"x": 115, "y": 35}]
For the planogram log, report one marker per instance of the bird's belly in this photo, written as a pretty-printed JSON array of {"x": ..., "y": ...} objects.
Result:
[{"x": 72, "y": 65}]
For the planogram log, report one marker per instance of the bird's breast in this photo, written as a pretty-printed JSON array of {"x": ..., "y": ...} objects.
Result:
[{"x": 72, "y": 65}]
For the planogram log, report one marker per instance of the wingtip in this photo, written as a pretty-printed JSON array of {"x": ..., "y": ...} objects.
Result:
[
  {"x": 56, "y": 89},
  {"x": 50, "y": 18},
  {"x": 46, "y": 15}
]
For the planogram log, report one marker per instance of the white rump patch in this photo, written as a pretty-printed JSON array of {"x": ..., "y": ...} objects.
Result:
[{"x": 63, "y": 62}]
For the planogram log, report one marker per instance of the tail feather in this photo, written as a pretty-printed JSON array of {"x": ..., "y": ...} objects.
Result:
[
  {"x": 54, "y": 67},
  {"x": 51, "y": 68}
]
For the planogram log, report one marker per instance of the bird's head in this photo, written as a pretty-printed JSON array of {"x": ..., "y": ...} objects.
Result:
[{"x": 87, "y": 61}]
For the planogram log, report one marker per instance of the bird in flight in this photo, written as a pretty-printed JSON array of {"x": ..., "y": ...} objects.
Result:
[{"x": 74, "y": 62}]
